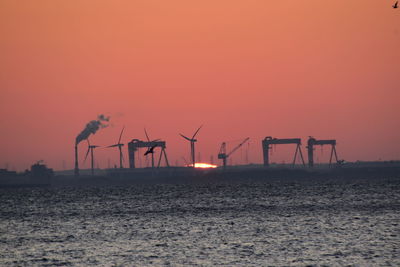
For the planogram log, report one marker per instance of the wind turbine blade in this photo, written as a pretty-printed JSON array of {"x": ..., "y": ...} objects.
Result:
[
  {"x": 119, "y": 140},
  {"x": 87, "y": 154},
  {"x": 197, "y": 131},
  {"x": 113, "y": 145},
  {"x": 186, "y": 137},
  {"x": 121, "y": 154},
  {"x": 147, "y": 136},
  {"x": 88, "y": 150},
  {"x": 185, "y": 160}
]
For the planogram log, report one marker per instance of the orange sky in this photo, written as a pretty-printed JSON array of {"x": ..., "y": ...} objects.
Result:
[{"x": 241, "y": 68}]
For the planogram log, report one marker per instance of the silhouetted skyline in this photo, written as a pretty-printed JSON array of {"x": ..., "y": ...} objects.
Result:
[{"x": 243, "y": 69}]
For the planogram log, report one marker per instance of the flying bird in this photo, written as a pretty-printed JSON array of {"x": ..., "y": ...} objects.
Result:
[
  {"x": 150, "y": 150},
  {"x": 396, "y": 4}
]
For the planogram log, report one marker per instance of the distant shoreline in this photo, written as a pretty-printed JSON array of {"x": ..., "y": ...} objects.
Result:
[{"x": 182, "y": 175}]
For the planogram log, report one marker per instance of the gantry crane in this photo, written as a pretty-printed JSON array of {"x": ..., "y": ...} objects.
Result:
[
  {"x": 135, "y": 144},
  {"x": 313, "y": 142},
  {"x": 268, "y": 141},
  {"x": 222, "y": 151}
]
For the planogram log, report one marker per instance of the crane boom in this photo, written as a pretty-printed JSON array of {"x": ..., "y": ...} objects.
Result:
[
  {"x": 238, "y": 146},
  {"x": 222, "y": 151}
]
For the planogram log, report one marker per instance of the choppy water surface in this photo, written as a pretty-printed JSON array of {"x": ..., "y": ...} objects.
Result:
[{"x": 335, "y": 222}]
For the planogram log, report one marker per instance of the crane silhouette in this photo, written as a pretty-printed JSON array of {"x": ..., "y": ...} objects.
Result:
[{"x": 222, "y": 151}]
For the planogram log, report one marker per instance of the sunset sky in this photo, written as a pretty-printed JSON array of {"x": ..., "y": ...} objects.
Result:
[{"x": 287, "y": 69}]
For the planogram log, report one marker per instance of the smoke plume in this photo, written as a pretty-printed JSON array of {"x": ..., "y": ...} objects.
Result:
[{"x": 92, "y": 127}]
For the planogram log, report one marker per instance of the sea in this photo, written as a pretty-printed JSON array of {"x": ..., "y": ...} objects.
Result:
[{"x": 272, "y": 222}]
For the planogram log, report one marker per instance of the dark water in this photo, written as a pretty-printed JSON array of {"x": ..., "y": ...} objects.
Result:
[{"x": 277, "y": 223}]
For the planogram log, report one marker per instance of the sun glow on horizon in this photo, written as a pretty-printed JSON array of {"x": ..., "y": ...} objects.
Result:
[{"x": 202, "y": 165}]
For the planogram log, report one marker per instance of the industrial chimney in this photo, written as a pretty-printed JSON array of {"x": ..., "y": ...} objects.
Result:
[
  {"x": 90, "y": 128},
  {"x": 76, "y": 161}
]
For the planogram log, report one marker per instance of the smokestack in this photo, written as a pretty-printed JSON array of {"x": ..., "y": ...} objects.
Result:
[
  {"x": 91, "y": 128},
  {"x": 76, "y": 161}
]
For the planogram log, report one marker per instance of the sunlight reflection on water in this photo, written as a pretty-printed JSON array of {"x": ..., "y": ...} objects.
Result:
[{"x": 276, "y": 223}]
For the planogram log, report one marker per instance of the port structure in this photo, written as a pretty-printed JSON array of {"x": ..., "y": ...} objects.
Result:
[
  {"x": 222, "y": 151},
  {"x": 268, "y": 141},
  {"x": 136, "y": 144},
  {"x": 314, "y": 142}
]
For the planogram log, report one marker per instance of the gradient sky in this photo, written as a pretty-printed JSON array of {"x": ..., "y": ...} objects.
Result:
[{"x": 242, "y": 68}]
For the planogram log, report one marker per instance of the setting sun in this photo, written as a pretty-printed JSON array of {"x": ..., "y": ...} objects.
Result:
[{"x": 203, "y": 165}]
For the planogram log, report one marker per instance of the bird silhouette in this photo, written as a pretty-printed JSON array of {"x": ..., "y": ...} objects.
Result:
[
  {"x": 150, "y": 150},
  {"x": 396, "y": 4}
]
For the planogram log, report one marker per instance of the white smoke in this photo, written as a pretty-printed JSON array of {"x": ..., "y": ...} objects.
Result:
[{"x": 92, "y": 127}]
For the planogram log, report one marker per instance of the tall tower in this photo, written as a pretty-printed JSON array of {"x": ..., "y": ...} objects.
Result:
[{"x": 76, "y": 161}]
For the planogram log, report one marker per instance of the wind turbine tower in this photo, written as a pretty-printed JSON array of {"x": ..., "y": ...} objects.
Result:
[
  {"x": 192, "y": 142},
  {"x": 90, "y": 149},
  {"x": 119, "y": 145}
]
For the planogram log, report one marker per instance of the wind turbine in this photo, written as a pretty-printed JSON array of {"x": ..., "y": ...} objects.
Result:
[
  {"x": 119, "y": 145},
  {"x": 192, "y": 141},
  {"x": 90, "y": 149},
  {"x": 187, "y": 164},
  {"x": 150, "y": 149}
]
